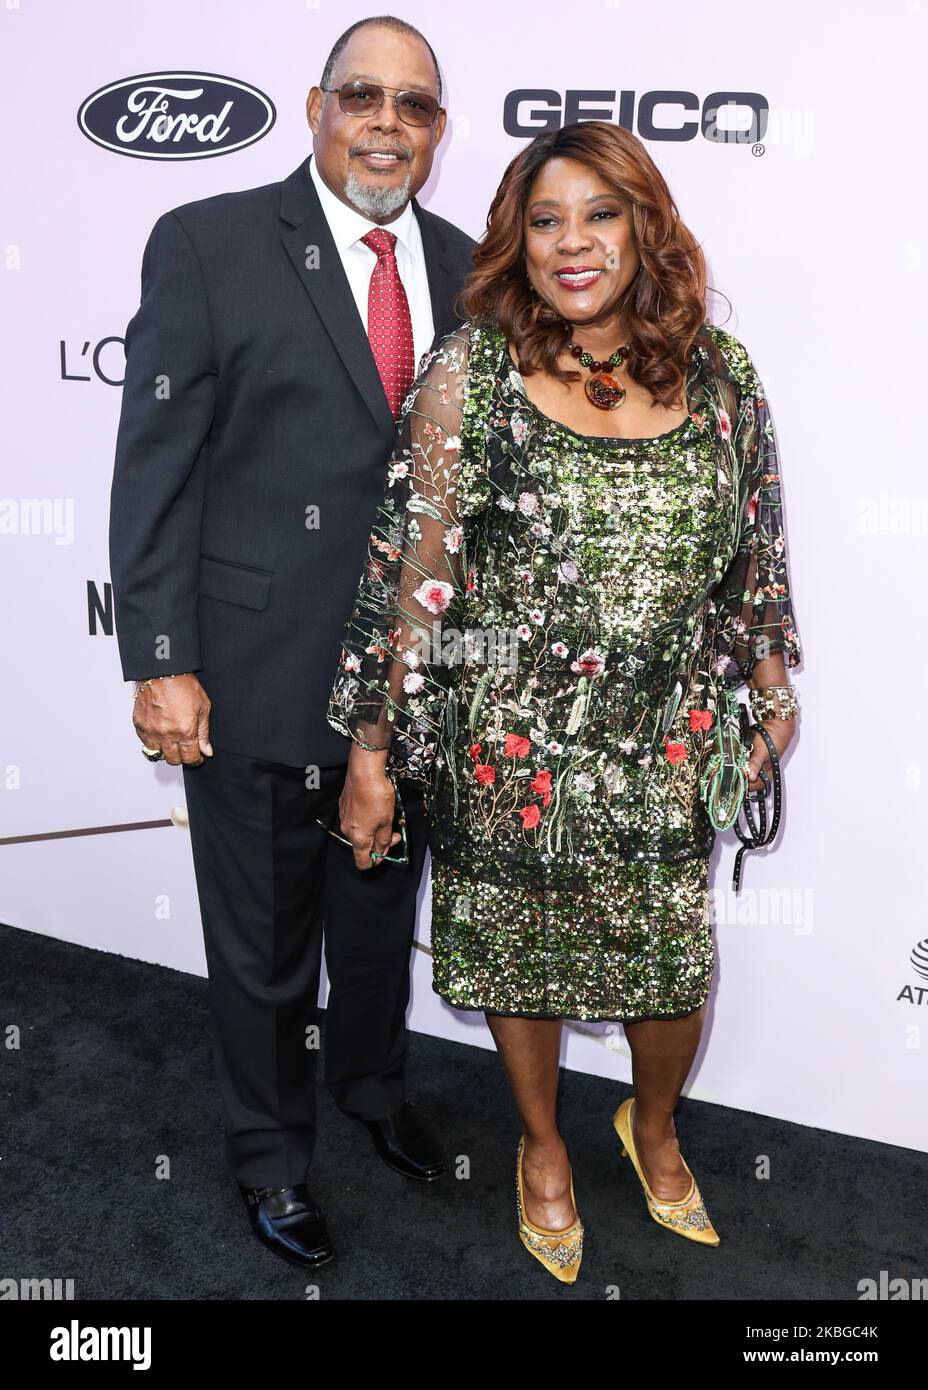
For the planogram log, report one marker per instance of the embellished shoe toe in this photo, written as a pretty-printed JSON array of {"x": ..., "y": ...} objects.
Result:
[
  {"x": 687, "y": 1217},
  {"x": 559, "y": 1251}
]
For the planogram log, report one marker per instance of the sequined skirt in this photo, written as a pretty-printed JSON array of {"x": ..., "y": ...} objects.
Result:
[{"x": 629, "y": 940}]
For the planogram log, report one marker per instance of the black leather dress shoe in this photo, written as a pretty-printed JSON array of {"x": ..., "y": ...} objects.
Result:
[
  {"x": 287, "y": 1221},
  {"x": 406, "y": 1146}
]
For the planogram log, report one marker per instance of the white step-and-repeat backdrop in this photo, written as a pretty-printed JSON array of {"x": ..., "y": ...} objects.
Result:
[{"x": 814, "y": 231}]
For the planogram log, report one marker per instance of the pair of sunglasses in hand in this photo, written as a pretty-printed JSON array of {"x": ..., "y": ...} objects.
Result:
[{"x": 400, "y": 853}]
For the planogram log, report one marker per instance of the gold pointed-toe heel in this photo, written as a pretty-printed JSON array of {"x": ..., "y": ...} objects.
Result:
[
  {"x": 687, "y": 1217},
  {"x": 559, "y": 1251}
]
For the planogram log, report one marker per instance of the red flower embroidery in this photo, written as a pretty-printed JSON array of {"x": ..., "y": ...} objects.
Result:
[
  {"x": 530, "y": 816},
  {"x": 700, "y": 719},
  {"x": 474, "y": 751},
  {"x": 485, "y": 775},
  {"x": 676, "y": 752},
  {"x": 541, "y": 782},
  {"x": 516, "y": 746}
]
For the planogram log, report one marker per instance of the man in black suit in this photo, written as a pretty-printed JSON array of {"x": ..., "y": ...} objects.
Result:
[{"x": 265, "y": 367}]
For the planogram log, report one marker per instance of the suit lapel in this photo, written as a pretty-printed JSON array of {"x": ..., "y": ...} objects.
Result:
[
  {"x": 443, "y": 283},
  {"x": 326, "y": 283}
]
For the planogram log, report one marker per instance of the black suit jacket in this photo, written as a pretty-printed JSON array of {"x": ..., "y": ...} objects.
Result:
[{"x": 252, "y": 395}]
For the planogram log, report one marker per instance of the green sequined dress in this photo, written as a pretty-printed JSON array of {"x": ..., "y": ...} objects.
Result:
[{"x": 542, "y": 631}]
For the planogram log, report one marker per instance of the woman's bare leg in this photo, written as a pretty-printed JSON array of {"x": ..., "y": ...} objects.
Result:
[
  {"x": 662, "y": 1054},
  {"x": 530, "y": 1051}
]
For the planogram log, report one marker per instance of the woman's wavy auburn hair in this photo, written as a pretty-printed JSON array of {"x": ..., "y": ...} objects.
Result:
[{"x": 665, "y": 304}]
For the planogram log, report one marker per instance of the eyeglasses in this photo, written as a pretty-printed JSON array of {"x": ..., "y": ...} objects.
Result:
[
  {"x": 401, "y": 856},
  {"x": 365, "y": 98}
]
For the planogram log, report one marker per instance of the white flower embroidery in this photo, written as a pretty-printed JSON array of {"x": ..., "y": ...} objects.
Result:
[
  {"x": 589, "y": 663},
  {"x": 434, "y": 595}
]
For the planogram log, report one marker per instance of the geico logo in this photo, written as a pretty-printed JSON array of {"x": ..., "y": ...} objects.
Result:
[{"x": 743, "y": 118}]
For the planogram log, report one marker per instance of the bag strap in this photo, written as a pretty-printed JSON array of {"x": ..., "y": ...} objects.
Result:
[{"x": 759, "y": 835}]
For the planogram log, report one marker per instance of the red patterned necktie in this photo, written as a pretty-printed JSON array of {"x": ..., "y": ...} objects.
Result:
[{"x": 389, "y": 326}]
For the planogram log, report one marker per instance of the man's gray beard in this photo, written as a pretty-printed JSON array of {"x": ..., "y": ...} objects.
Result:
[{"x": 376, "y": 202}]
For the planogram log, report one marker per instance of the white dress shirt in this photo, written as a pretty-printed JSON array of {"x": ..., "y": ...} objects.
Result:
[{"x": 347, "y": 226}]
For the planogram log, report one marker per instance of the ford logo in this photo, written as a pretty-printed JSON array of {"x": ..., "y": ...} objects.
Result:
[{"x": 176, "y": 115}]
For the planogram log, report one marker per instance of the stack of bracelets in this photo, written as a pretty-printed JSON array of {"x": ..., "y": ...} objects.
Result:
[{"x": 774, "y": 702}]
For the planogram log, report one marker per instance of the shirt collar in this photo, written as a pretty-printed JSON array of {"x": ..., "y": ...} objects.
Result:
[{"x": 347, "y": 225}]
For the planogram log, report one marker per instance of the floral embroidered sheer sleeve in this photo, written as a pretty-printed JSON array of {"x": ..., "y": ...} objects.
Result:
[
  {"x": 395, "y": 662},
  {"x": 755, "y": 618}
]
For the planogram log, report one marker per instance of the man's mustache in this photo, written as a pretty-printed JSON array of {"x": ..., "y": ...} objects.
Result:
[{"x": 402, "y": 151}]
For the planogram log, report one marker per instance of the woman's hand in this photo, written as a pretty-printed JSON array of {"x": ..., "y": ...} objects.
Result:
[
  {"x": 366, "y": 807},
  {"x": 781, "y": 732}
]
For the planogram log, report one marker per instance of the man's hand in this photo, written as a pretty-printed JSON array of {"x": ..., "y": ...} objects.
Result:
[
  {"x": 366, "y": 806},
  {"x": 173, "y": 715}
]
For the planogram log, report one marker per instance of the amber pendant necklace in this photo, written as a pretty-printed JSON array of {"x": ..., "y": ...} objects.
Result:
[{"x": 602, "y": 388}]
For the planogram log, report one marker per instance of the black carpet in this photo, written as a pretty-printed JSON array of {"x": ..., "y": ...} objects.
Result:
[{"x": 114, "y": 1069}]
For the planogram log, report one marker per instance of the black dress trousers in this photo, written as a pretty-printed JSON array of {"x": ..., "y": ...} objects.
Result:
[{"x": 270, "y": 883}]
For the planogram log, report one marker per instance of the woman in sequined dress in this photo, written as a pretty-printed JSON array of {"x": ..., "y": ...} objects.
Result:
[{"x": 562, "y": 580}]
